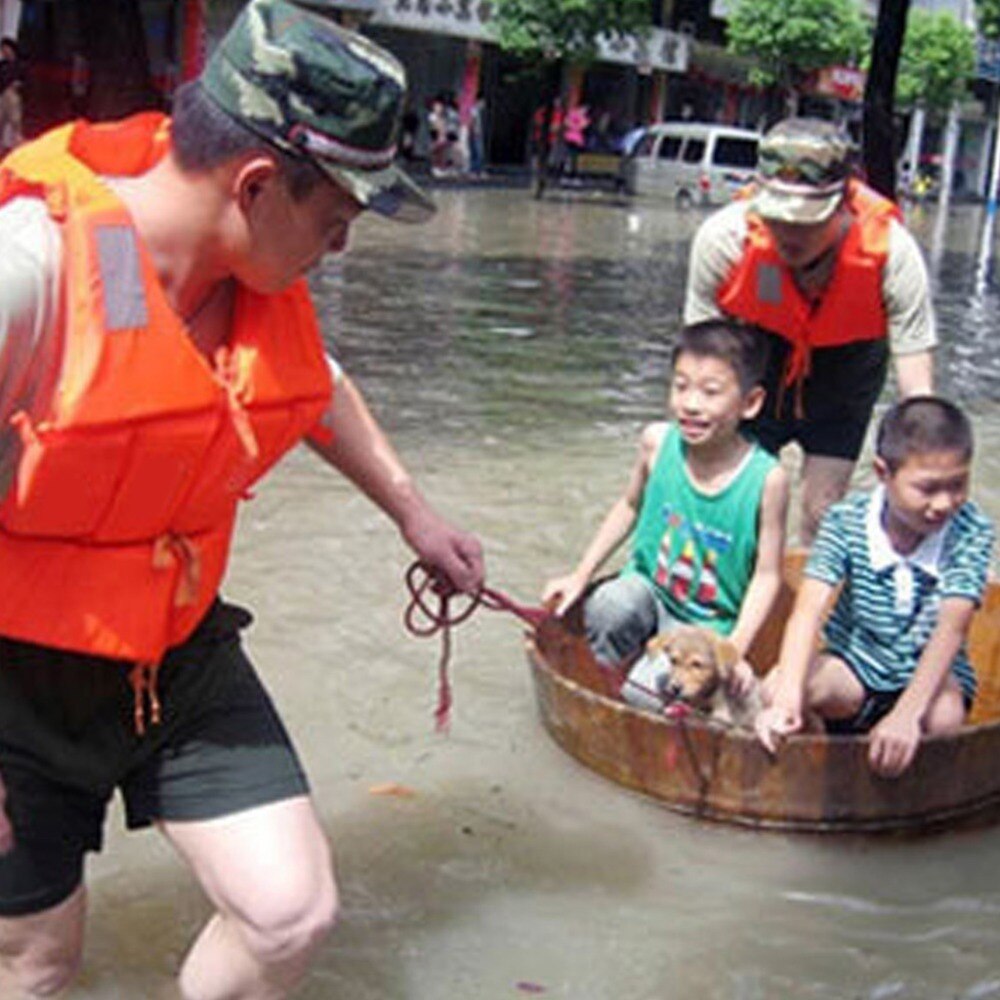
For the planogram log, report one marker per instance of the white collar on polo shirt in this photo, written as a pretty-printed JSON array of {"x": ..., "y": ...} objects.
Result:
[{"x": 926, "y": 556}]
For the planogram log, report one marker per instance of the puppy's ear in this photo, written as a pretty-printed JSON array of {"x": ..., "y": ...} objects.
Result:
[
  {"x": 660, "y": 643},
  {"x": 725, "y": 655}
]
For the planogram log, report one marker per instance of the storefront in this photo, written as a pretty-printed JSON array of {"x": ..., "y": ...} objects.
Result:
[
  {"x": 104, "y": 64},
  {"x": 448, "y": 49},
  {"x": 446, "y": 46},
  {"x": 717, "y": 88}
]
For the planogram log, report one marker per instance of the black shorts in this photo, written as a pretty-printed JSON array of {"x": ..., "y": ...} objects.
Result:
[
  {"x": 875, "y": 706},
  {"x": 835, "y": 401},
  {"x": 67, "y": 742}
]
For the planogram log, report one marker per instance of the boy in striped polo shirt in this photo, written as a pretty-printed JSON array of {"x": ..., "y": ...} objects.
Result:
[{"x": 911, "y": 558}]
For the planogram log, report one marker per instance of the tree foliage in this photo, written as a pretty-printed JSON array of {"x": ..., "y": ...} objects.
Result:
[
  {"x": 938, "y": 60},
  {"x": 790, "y": 38},
  {"x": 550, "y": 30},
  {"x": 988, "y": 18}
]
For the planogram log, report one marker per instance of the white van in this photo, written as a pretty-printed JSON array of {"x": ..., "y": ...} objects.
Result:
[{"x": 691, "y": 163}]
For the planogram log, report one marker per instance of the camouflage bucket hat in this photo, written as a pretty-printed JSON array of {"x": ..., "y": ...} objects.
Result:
[
  {"x": 802, "y": 170},
  {"x": 320, "y": 92}
]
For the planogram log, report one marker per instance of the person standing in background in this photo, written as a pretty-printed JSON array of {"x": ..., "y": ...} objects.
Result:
[
  {"x": 477, "y": 138},
  {"x": 11, "y": 95},
  {"x": 79, "y": 85}
]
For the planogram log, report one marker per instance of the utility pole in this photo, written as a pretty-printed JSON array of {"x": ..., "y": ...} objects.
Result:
[
  {"x": 953, "y": 128},
  {"x": 991, "y": 198},
  {"x": 988, "y": 55},
  {"x": 879, "y": 138}
]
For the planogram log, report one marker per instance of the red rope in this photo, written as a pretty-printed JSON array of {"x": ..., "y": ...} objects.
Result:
[{"x": 424, "y": 619}]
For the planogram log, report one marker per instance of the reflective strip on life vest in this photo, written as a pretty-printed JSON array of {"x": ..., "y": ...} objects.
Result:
[{"x": 121, "y": 278}]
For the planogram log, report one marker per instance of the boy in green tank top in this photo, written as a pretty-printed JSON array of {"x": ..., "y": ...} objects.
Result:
[{"x": 705, "y": 509}]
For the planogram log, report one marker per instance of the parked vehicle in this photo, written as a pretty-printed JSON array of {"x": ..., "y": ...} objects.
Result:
[{"x": 691, "y": 163}]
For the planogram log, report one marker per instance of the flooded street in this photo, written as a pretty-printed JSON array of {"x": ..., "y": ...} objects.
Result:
[{"x": 513, "y": 349}]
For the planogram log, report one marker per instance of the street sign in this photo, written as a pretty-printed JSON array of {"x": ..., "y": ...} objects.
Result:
[
  {"x": 987, "y": 59},
  {"x": 845, "y": 82}
]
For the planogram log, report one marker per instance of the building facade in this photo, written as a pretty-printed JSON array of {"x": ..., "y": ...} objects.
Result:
[{"x": 449, "y": 50}]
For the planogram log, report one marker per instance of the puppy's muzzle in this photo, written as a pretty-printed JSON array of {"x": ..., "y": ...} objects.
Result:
[
  {"x": 671, "y": 691},
  {"x": 668, "y": 689}
]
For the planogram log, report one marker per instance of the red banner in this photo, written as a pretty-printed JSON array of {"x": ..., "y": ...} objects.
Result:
[
  {"x": 845, "y": 82},
  {"x": 193, "y": 39},
  {"x": 470, "y": 80}
]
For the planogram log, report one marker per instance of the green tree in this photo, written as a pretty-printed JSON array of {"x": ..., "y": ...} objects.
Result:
[
  {"x": 545, "y": 31},
  {"x": 988, "y": 18},
  {"x": 938, "y": 60},
  {"x": 547, "y": 34},
  {"x": 789, "y": 39}
]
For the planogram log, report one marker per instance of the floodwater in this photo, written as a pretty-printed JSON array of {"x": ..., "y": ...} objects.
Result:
[{"x": 513, "y": 349}]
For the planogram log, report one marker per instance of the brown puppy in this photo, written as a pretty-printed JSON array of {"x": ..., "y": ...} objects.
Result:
[{"x": 701, "y": 664}]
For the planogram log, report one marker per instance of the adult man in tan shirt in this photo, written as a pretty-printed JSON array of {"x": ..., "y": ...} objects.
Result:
[{"x": 827, "y": 269}]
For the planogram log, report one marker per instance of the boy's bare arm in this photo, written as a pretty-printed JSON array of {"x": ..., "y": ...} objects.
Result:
[
  {"x": 894, "y": 741},
  {"x": 614, "y": 528},
  {"x": 766, "y": 580},
  {"x": 784, "y": 715}
]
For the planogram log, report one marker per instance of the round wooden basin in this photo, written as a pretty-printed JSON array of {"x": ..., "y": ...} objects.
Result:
[{"x": 815, "y": 783}]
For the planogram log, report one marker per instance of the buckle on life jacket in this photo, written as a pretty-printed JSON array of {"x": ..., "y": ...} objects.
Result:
[
  {"x": 170, "y": 549},
  {"x": 797, "y": 368},
  {"x": 143, "y": 677},
  {"x": 230, "y": 377}
]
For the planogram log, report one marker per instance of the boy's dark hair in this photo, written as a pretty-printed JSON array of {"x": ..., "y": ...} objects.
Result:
[
  {"x": 204, "y": 136},
  {"x": 741, "y": 347},
  {"x": 919, "y": 425}
]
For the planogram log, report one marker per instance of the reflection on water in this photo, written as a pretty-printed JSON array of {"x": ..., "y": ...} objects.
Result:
[
  {"x": 514, "y": 348},
  {"x": 967, "y": 296},
  {"x": 546, "y": 311},
  {"x": 536, "y": 317}
]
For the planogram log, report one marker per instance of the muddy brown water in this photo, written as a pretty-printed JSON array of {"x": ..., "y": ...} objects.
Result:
[{"x": 513, "y": 349}]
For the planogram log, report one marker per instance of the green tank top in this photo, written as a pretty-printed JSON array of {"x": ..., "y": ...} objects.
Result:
[{"x": 699, "y": 549}]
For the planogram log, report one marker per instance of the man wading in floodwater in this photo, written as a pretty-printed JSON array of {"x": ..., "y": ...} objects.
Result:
[
  {"x": 824, "y": 265},
  {"x": 160, "y": 353}
]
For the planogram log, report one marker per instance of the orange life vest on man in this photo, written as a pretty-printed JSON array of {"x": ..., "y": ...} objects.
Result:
[
  {"x": 760, "y": 290},
  {"x": 115, "y": 533}
]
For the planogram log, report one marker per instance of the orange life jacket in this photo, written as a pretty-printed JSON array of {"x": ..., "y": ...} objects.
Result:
[
  {"x": 760, "y": 290},
  {"x": 115, "y": 533}
]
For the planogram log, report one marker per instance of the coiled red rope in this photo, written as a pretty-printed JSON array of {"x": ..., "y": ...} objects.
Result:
[{"x": 429, "y": 611}]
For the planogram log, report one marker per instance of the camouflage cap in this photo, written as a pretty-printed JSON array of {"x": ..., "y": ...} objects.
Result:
[
  {"x": 318, "y": 91},
  {"x": 802, "y": 170}
]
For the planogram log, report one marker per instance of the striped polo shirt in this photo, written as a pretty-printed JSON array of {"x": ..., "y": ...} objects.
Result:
[{"x": 888, "y": 606}]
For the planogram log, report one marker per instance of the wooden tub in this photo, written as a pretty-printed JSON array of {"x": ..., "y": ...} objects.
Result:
[{"x": 815, "y": 783}]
